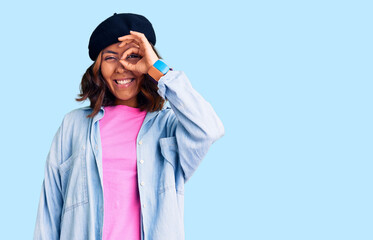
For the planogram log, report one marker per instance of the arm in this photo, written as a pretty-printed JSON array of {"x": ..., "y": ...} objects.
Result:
[
  {"x": 195, "y": 124},
  {"x": 48, "y": 219}
]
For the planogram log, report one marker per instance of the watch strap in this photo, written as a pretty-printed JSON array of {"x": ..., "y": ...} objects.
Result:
[{"x": 155, "y": 73}]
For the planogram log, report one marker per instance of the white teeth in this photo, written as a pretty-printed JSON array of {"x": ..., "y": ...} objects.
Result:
[{"x": 124, "y": 81}]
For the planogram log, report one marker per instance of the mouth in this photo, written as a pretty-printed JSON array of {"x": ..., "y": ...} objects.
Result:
[{"x": 124, "y": 82}]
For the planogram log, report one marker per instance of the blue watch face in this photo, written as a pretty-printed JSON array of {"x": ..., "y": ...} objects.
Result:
[{"x": 161, "y": 66}]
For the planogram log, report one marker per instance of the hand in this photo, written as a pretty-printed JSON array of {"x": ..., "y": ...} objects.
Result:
[{"x": 143, "y": 48}]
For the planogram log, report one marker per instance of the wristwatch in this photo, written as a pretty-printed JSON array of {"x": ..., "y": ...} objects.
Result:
[{"x": 158, "y": 70}]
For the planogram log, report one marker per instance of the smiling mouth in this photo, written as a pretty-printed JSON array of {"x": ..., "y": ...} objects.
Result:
[{"x": 125, "y": 81}]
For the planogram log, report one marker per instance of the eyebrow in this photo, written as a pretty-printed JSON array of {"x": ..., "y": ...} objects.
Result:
[{"x": 108, "y": 51}]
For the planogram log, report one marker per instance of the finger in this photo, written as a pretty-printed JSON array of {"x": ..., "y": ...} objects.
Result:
[
  {"x": 136, "y": 39},
  {"x": 132, "y": 50},
  {"x": 125, "y": 37},
  {"x": 140, "y": 35},
  {"x": 129, "y": 41},
  {"x": 136, "y": 36}
]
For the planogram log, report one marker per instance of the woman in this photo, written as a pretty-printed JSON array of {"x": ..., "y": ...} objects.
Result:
[{"x": 117, "y": 169}]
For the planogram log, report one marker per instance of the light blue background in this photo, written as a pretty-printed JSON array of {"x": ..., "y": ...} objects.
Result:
[{"x": 291, "y": 81}]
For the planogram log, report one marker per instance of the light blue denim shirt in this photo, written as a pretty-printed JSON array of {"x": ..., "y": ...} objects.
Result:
[{"x": 171, "y": 144}]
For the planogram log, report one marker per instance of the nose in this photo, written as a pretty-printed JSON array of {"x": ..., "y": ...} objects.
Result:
[{"x": 120, "y": 68}]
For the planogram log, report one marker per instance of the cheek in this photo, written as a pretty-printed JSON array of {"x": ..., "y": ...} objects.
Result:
[
  {"x": 137, "y": 74},
  {"x": 106, "y": 71},
  {"x": 140, "y": 79}
]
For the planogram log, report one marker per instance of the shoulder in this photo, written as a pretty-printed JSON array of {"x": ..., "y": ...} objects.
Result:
[
  {"x": 166, "y": 114},
  {"x": 78, "y": 112},
  {"x": 77, "y": 117}
]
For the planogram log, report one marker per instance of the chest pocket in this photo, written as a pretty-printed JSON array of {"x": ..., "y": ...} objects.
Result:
[
  {"x": 169, "y": 178},
  {"x": 73, "y": 174}
]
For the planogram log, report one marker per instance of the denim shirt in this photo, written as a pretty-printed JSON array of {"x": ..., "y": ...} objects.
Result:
[{"x": 170, "y": 145}]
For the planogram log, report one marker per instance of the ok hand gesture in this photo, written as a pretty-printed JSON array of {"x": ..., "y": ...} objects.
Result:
[{"x": 142, "y": 48}]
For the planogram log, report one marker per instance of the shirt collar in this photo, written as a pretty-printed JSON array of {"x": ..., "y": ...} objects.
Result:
[{"x": 149, "y": 115}]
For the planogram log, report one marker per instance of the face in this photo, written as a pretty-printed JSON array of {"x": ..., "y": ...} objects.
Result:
[{"x": 124, "y": 84}]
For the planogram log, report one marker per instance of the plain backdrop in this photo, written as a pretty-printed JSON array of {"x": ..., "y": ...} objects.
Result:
[{"x": 290, "y": 80}]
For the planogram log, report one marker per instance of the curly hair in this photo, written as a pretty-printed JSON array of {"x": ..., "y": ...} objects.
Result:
[{"x": 94, "y": 87}]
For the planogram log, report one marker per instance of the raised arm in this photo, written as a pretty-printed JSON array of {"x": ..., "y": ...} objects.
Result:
[{"x": 194, "y": 123}]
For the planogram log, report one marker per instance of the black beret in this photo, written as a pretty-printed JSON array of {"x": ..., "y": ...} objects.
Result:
[{"x": 118, "y": 25}]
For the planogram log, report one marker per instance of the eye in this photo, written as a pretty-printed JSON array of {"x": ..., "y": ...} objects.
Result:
[
  {"x": 110, "y": 58},
  {"x": 134, "y": 56}
]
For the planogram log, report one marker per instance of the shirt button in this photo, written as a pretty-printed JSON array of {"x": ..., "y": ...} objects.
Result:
[
  {"x": 142, "y": 183},
  {"x": 141, "y": 161},
  {"x": 144, "y": 205},
  {"x": 140, "y": 142}
]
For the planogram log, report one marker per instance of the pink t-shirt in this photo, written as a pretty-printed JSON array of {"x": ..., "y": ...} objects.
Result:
[{"x": 122, "y": 214}]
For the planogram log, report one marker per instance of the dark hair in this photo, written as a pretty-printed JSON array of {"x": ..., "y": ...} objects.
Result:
[{"x": 94, "y": 87}]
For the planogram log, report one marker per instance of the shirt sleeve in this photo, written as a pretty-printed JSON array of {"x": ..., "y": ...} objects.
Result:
[
  {"x": 48, "y": 219},
  {"x": 194, "y": 123}
]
